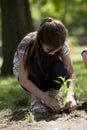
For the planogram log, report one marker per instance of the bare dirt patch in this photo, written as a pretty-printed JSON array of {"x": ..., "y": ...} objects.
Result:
[{"x": 64, "y": 120}]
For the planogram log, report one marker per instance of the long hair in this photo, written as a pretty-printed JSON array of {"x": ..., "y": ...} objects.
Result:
[{"x": 52, "y": 33}]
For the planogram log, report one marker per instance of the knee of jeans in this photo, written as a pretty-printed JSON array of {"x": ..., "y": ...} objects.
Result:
[
  {"x": 58, "y": 69},
  {"x": 35, "y": 79}
]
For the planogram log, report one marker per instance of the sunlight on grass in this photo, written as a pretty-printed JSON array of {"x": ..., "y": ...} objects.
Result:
[
  {"x": 11, "y": 94},
  {"x": 81, "y": 75},
  {"x": 76, "y": 55}
]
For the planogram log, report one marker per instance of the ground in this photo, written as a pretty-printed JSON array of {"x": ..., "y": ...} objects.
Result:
[{"x": 64, "y": 120}]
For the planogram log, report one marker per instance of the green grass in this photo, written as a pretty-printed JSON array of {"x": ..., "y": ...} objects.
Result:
[
  {"x": 13, "y": 96},
  {"x": 81, "y": 74}
]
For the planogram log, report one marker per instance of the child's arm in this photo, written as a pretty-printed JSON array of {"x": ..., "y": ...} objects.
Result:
[
  {"x": 71, "y": 103},
  {"x": 33, "y": 89},
  {"x": 84, "y": 57}
]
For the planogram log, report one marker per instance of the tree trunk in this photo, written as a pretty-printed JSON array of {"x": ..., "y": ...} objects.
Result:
[{"x": 16, "y": 23}]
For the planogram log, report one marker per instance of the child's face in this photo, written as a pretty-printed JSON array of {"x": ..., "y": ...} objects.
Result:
[{"x": 49, "y": 50}]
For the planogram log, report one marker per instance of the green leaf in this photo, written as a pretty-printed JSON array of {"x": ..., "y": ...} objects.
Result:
[{"x": 57, "y": 81}]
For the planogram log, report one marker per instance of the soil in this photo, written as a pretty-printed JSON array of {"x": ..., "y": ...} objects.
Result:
[{"x": 15, "y": 120}]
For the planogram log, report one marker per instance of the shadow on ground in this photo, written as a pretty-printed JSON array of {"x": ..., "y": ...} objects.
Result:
[{"x": 20, "y": 113}]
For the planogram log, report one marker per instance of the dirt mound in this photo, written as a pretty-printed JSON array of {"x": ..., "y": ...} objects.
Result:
[{"x": 63, "y": 120}]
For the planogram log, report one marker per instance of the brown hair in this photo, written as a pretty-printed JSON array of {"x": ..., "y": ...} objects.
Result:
[{"x": 52, "y": 33}]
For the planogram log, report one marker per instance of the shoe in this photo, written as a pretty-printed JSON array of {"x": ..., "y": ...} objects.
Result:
[{"x": 37, "y": 106}]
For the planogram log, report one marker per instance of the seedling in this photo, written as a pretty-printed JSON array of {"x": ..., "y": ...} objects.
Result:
[{"x": 64, "y": 84}]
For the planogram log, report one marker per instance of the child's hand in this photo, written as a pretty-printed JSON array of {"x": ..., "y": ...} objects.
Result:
[
  {"x": 52, "y": 103},
  {"x": 71, "y": 103}
]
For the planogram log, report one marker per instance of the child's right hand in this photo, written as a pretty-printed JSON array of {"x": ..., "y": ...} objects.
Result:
[
  {"x": 71, "y": 103},
  {"x": 52, "y": 103}
]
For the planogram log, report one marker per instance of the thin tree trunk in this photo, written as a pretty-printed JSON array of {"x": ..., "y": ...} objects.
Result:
[{"x": 16, "y": 23}]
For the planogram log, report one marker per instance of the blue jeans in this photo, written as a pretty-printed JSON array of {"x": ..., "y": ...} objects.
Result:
[{"x": 57, "y": 68}]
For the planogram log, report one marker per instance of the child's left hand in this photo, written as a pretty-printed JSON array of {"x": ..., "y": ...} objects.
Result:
[{"x": 71, "y": 103}]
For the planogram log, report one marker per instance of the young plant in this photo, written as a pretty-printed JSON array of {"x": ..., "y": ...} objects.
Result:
[
  {"x": 64, "y": 84},
  {"x": 30, "y": 117}
]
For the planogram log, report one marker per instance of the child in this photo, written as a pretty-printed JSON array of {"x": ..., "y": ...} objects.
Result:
[
  {"x": 84, "y": 56},
  {"x": 41, "y": 58}
]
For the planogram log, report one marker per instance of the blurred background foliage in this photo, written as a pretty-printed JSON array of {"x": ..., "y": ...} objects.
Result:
[
  {"x": 19, "y": 17},
  {"x": 71, "y": 13}
]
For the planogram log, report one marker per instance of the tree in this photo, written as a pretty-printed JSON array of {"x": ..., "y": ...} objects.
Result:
[
  {"x": 71, "y": 12},
  {"x": 16, "y": 23}
]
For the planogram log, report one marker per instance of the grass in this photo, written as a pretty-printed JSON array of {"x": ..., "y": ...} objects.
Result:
[
  {"x": 81, "y": 74},
  {"x": 13, "y": 96}
]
